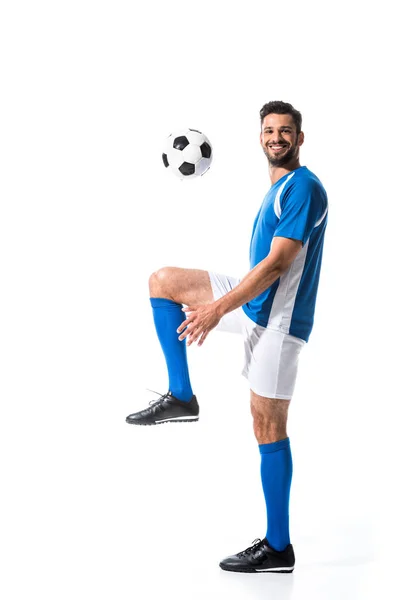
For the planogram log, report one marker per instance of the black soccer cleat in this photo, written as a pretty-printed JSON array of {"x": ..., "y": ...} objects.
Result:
[
  {"x": 260, "y": 558},
  {"x": 166, "y": 409}
]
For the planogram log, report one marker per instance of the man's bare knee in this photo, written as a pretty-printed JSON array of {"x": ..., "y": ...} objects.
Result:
[
  {"x": 269, "y": 418},
  {"x": 184, "y": 286},
  {"x": 158, "y": 283}
]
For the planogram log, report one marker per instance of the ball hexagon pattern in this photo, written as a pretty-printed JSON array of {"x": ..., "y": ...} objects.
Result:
[{"x": 187, "y": 153}]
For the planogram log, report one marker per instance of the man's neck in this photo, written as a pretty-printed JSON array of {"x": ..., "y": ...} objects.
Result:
[{"x": 276, "y": 173}]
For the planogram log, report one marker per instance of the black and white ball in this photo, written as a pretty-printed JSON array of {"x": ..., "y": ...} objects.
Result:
[{"x": 187, "y": 153}]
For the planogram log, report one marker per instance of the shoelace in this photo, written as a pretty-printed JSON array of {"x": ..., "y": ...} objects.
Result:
[
  {"x": 158, "y": 400},
  {"x": 251, "y": 548}
]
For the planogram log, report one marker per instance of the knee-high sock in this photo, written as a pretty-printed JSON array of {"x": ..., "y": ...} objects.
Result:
[
  {"x": 276, "y": 477},
  {"x": 168, "y": 315}
]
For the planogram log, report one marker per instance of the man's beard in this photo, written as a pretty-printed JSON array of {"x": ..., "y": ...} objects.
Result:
[{"x": 283, "y": 160}]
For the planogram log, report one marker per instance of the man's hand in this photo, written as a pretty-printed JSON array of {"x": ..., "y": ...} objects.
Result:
[{"x": 200, "y": 319}]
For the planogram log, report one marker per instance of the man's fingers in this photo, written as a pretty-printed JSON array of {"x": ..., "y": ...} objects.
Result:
[
  {"x": 184, "y": 334},
  {"x": 203, "y": 337},
  {"x": 193, "y": 336},
  {"x": 187, "y": 326},
  {"x": 183, "y": 325}
]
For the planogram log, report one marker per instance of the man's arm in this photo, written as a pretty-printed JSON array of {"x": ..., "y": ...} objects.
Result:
[
  {"x": 201, "y": 319},
  {"x": 262, "y": 276}
]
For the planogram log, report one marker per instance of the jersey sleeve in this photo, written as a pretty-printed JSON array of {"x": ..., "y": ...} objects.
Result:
[{"x": 302, "y": 207}]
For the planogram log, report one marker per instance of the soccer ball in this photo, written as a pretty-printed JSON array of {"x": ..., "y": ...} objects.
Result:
[{"x": 187, "y": 153}]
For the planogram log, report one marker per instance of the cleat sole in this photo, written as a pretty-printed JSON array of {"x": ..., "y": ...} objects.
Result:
[
  {"x": 191, "y": 420},
  {"x": 244, "y": 570}
]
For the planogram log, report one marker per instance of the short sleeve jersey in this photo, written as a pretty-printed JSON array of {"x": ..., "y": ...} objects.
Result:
[{"x": 295, "y": 207}]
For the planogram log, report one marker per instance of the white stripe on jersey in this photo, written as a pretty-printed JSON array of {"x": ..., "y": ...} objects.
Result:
[
  {"x": 277, "y": 202},
  {"x": 321, "y": 219},
  {"x": 283, "y": 304}
]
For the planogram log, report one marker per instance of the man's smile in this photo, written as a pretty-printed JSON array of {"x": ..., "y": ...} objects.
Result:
[{"x": 277, "y": 147}]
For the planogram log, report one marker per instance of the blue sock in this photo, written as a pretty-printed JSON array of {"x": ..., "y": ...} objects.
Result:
[
  {"x": 276, "y": 477},
  {"x": 168, "y": 315}
]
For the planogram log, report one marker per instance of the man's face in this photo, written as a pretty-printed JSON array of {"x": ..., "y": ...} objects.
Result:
[{"x": 279, "y": 139}]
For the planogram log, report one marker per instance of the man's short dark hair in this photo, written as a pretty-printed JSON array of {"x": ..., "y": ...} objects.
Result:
[{"x": 281, "y": 108}]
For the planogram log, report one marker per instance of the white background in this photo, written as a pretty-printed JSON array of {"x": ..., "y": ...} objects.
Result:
[{"x": 92, "y": 507}]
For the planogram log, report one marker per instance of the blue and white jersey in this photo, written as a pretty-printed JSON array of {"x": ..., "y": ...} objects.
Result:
[{"x": 295, "y": 207}]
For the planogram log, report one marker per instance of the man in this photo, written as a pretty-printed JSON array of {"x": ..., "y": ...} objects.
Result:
[{"x": 273, "y": 308}]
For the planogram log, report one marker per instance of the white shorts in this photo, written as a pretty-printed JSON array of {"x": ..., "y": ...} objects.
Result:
[{"x": 271, "y": 357}]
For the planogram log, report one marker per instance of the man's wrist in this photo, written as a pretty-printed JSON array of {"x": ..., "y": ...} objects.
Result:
[{"x": 221, "y": 307}]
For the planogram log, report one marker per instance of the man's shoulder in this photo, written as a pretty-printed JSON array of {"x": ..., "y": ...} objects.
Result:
[{"x": 304, "y": 179}]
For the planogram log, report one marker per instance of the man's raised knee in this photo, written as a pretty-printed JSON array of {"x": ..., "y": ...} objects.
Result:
[{"x": 158, "y": 283}]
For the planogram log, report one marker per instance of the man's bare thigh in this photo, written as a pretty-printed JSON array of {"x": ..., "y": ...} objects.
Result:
[{"x": 185, "y": 286}]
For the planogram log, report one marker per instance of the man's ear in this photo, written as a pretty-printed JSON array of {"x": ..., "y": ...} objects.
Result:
[{"x": 301, "y": 138}]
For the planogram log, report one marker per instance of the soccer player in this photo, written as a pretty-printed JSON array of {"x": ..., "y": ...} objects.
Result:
[{"x": 272, "y": 306}]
